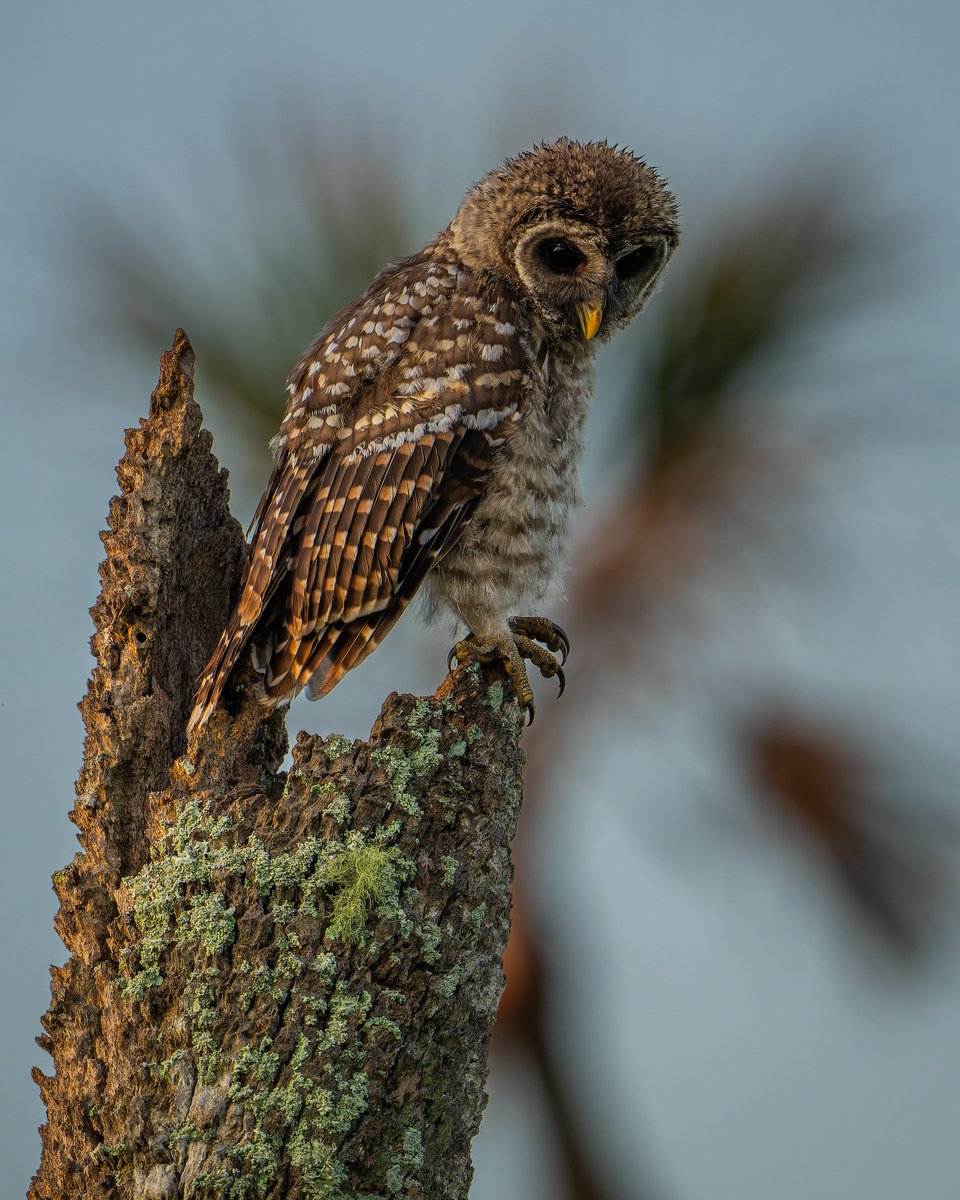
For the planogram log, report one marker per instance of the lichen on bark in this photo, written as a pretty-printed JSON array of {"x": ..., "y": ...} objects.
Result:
[{"x": 281, "y": 984}]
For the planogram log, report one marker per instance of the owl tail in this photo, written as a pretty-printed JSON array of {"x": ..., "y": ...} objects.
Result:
[
  {"x": 319, "y": 662},
  {"x": 288, "y": 666},
  {"x": 216, "y": 673},
  {"x": 283, "y": 686}
]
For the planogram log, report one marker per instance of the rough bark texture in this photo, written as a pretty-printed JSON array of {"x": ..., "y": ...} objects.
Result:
[{"x": 280, "y": 984}]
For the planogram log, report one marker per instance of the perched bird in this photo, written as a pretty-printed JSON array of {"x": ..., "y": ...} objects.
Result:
[{"x": 434, "y": 427}]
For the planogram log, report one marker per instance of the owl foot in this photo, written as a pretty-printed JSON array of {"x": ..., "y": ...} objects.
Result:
[
  {"x": 542, "y": 629},
  {"x": 511, "y": 651}
]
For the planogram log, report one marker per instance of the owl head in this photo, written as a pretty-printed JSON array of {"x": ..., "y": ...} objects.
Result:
[{"x": 580, "y": 230}]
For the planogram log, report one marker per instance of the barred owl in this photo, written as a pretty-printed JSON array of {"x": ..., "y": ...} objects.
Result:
[{"x": 434, "y": 426}]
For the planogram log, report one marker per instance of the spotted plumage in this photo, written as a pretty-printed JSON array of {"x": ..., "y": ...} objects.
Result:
[{"x": 434, "y": 426}]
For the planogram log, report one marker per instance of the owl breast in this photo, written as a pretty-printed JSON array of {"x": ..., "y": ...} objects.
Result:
[{"x": 511, "y": 554}]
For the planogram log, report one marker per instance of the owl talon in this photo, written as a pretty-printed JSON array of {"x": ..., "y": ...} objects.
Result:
[
  {"x": 514, "y": 650},
  {"x": 542, "y": 629},
  {"x": 511, "y": 652},
  {"x": 564, "y": 644},
  {"x": 468, "y": 649},
  {"x": 542, "y": 659}
]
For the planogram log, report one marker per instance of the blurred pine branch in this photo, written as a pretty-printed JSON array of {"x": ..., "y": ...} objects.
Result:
[
  {"x": 317, "y": 222},
  {"x": 767, "y": 277}
]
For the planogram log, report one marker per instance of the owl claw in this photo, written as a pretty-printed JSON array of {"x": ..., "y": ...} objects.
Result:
[
  {"x": 508, "y": 651},
  {"x": 533, "y": 639},
  {"x": 542, "y": 659},
  {"x": 468, "y": 649},
  {"x": 542, "y": 629}
]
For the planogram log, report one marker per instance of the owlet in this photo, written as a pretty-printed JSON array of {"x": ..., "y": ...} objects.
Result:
[{"x": 434, "y": 427}]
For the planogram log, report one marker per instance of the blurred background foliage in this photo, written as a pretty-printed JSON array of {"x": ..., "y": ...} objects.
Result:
[
  {"x": 315, "y": 223},
  {"x": 700, "y": 468}
]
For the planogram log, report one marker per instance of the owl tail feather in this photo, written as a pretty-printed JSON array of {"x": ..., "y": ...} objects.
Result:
[
  {"x": 287, "y": 667},
  {"x": 215, "y": 674}
]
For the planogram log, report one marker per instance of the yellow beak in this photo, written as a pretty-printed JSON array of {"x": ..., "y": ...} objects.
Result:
[{"x": 589, "y": 314}]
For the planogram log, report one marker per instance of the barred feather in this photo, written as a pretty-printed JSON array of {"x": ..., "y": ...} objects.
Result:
[{"x": 359, "y": 474}]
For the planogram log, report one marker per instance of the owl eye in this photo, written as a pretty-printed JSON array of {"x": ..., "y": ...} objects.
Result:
[
  {"x": 637, "y": 262},
  {"x": 561, "y": 256}
]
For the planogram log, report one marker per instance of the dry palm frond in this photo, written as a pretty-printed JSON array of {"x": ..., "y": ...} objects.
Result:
[
  {"x": 313, "y": 222},
  {"x": 885, "y": 855}
]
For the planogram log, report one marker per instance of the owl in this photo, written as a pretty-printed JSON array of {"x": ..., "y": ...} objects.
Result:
[{"x": 433, "y": 429}]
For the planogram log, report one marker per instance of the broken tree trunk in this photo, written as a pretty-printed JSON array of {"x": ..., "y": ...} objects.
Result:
[{"x": 280, "y": 984}]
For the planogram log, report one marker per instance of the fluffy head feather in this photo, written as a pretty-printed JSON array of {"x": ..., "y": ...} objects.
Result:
[{"x": 602, "y": 200}]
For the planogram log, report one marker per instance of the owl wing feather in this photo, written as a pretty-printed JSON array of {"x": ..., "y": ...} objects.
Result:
[{"x": 374, "y": 482}]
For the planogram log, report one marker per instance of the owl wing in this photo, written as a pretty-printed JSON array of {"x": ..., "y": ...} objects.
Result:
[
  {"x": 369, "y": 492},
  {"x": 388, "y": 517}
]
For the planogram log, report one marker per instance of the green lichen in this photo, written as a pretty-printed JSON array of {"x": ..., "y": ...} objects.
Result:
[
  {"x": 189, "y": 1133},
  {"x": 162, "y": 1069},
  {"x": 450, "y": 867},
  {"x": 385, "y": 1023},
  {"x": 430, "y": 938},
  {"x": 325, "y": 966},
  {"x": 261, "y": 1062},
  {"x": 363, "y": 876},
  {"x": 202, "y": 1013},
  {"x": 458, "y": 749},
  {"x": 291, "y": 1106},
  {"x": 178, "y": 898},
  {"x": 338, "y": 807},
  {"x": 448, "y": 984},
  {"x": 409, "y": 1160},
  {"x": 402, "y": 767},
  {"x": 273, "y": 981},
  {"x": 422, "y": 712},
  {"x": 495, "y": 695},
  {"x": 209, "y": 925},
  {"x": 111, "y": 1152},
  {"x": 399, "y": 769},
  {"x": 254, "y": 1170},
  {"x": 336, "y": 746},
  {"x": 477, "y": 914},
  {"x": 322, "y": 1171},
  {"x": 302, "y": 1109}
]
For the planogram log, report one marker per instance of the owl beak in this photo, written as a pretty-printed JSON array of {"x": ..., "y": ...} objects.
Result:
[{"x": 589, "y": 314}]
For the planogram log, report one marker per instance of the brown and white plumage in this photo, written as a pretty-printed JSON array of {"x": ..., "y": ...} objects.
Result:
[{"x": 435, "y": 423}]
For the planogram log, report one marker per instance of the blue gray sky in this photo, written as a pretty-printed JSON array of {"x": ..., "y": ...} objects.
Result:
[{"x": 742, "y": 1041}]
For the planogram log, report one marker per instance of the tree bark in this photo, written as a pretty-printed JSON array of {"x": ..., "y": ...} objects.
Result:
[{"x": 281, "y": 984}]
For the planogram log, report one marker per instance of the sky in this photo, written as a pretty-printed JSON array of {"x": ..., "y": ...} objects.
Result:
[{"x": 738, "y": 1037}]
